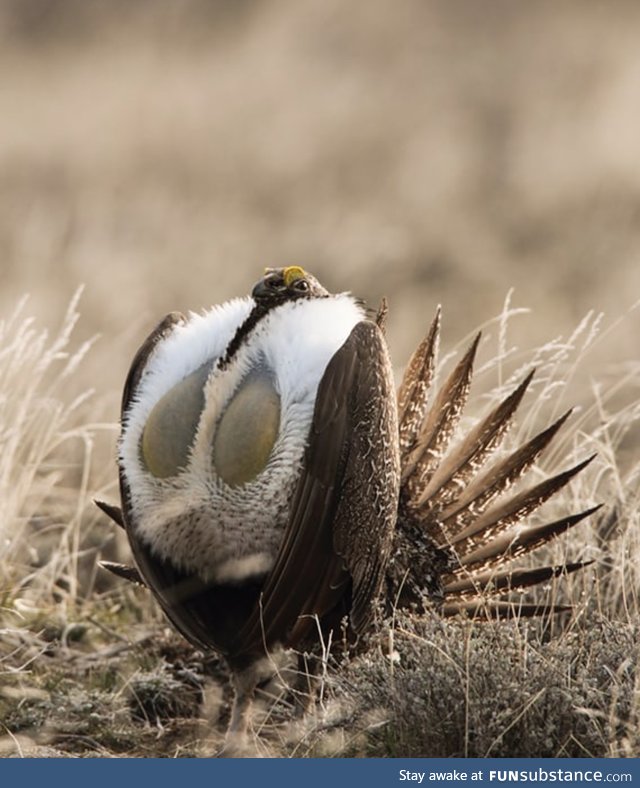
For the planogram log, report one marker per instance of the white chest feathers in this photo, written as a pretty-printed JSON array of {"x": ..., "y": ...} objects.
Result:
[{"x": 211, "y": 453}]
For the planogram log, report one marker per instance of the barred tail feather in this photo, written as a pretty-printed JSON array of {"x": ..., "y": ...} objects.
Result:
[
  {"x": 113, "y": 512},
  {"x": 498, "y": 519},
  {"x": 499, "y": 611},
  {"x": 419, "y": 463},
  {"x": 488, "y": 584},
  {"x": 413, "y": 394},
  {"x": 124, "y": 571},
  {"x": 508, "y": 547},
  {"x": 488, "y": 486},
  {"x": 456, "y": 470}
]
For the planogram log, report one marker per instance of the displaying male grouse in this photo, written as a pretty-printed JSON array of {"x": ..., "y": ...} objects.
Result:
[{"x": 272, "y": 487}]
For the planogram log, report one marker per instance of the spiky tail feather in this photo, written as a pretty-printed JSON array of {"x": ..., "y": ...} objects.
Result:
[
  {"x": 124, "y": 571},
  {"x": 454, "y": 529}
]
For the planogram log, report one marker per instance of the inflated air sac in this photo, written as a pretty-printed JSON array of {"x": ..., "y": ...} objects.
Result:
[
  {"x": 248, "y": 430},
  {"x": 171, "y": 427}
]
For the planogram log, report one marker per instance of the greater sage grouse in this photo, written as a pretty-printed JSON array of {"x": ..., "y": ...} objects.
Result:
[{"x": 274, "y": 488}]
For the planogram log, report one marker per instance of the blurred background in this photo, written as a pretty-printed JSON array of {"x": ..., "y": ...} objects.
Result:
[{"x": 163, "y": 152}]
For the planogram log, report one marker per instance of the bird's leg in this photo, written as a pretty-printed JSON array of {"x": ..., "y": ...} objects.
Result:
[
  {"x": 244, "y": 681},
  {"x": 244, "y": 685}
]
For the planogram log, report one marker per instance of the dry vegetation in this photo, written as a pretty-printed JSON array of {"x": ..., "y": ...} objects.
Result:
[{"x": 162, "y": 159}]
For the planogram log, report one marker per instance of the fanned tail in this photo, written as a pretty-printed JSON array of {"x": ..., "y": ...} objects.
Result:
[{"x": 456, "y": 527}]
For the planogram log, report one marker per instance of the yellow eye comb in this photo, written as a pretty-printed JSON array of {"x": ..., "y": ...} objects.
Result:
[{"x": 292, "y": 273}]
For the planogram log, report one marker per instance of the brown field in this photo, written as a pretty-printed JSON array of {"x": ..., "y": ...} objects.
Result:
[{"x": 160, "y": 155}]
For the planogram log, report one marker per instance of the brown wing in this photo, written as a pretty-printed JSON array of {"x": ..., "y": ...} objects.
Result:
[{"x": 337, "y": 542}]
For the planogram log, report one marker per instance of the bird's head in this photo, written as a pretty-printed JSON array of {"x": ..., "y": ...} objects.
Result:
[{"x": 287, "y": 284}]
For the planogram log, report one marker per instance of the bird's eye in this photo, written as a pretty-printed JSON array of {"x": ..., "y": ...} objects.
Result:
[
  {"x": 301, "y": 285},
  {"x": 171, "y": 426}
]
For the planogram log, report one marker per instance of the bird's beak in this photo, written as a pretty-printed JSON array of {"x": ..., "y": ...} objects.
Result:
[{"x": 261, "y": 289}]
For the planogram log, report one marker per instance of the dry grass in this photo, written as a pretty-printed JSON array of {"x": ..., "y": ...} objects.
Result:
[
  {"x": 90, "y": 669},
  {"x": 502, "y": 690}
]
